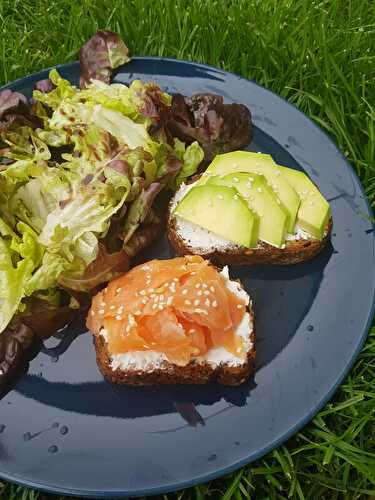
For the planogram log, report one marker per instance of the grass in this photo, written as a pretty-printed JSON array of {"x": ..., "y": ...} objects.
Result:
[{"x": 321, "y": 57}]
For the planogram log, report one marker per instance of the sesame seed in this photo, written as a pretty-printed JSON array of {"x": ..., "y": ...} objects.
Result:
[
  {"x": 192, "y": 330},
  {"x": 206, "y": 292},
  {"x": 221, "y": 197},
  {"x": 137, "y": 313},
  {"x": 214, "y": 303},
  {"x": 204, "y": 285},
  {"x": 169, "y": 301},
  {"x": 197, "y": 302},
  {"x": 235, "y": 197},
  {"x": 119, "y": 317},
  {"x": 188, "y": 302},
  {"x": 127, "y": 329},
  {"x": 151, "y": 290},
  {"x": 236, "y": 179},
  {"x": 118, "y": 290},
  {"x": 212, "y": 289},
  {"x": 172, "y": 288},
  {"x": 277, "y": 172},
  {"x": 142, "y": 292},
  {"x": 146, "y": 268},
  {"x": 120, "y": 309},
  {"x": 148, "y": 276},
  {"x": 200, "y": 311},
  {"x": 259, "y": 189},
  {"x": 144, "y": 301},
  {"x": 112, "y": 307},
  {"x": 207, "y": 302},
  {"x": 198, "y": 285},
  {"x": 175, "y": 280},
  {"x": 101, "y": 311},
  {"x": 92, "y": 313},
  {"x": 102, "y": 304},
  {"x": 193, "y": 273},
  {"x": 239, "y": 349},
  {"x": 161, "y": 306},
  {"x": 161, "y": 297},
  {"x": 239, "y": 306},
  {"x": 199, "y": 293},
  {"x": 184, "y": 291},
  {"x": 154, "y": 306},
  {"x": 148, "y": 282}
]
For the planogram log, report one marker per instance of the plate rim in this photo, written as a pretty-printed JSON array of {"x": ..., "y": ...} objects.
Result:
[{"x": 202, "y": 478}]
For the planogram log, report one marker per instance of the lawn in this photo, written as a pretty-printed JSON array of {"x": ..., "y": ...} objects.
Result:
[{"x": 320, "y": 56}]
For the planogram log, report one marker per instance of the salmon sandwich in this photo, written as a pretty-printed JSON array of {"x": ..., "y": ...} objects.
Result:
[{"x": 177, "y": 321}]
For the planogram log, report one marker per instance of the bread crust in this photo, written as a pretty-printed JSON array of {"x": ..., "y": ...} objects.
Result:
[
  {"x": 169, "y": 373},
  {"x": 294, "y": 252}
]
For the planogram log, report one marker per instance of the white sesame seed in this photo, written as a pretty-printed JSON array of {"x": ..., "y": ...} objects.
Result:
[
  {"x": 188, "y": 302},
  {"x": 101, "y": 311},
  {"x": 184, "y": 291},
  {"x": 146, "y": 268},
  {"x": 221, "y": 197},
  {"x": 236, "y": 179},
  {"x": 199, "y": 293},
  {"x": 205, "y": 285},
  {"x": 277, "y": 172},
  {"x": 151, "y": 290},
  {"x": 235, "y": 197},
  {"x": 119, "y": 317},
  {"x": 169, "y": 301},
  {"x": 212, "y": 289},
  {"x": 154, "y": 306},
  {"x": 148, "y": 282},
  {"x": 192, "y": 330},
  {"x": 214, "y": 303},
  {"x": 120, "y": 310},
  {"x": 200, "y": 311},
  {"x": 137, "y": 313},
  {"x": 112, "y": 307},
  {"x": 148, "y": 276},
  {"x": 198, "y": 285},
  {"x": 259, "y": 189},
  {"x": 197, "y": 302},
  {"x": 144, "y": 301},
  {"x": 239, "y": 349},
  {"x": 161, "y": 306},
  {"x": 239, "y": 306},
  {"x": 193, "y": 273},
  {"x": 127, "y": 329},
  {"x": 206, "y": 292},
  {"x": 118, "y": 290},
  {"x": 175, "y": 280},
  {"x": 102, "y": 304},
  {"x": 207, "y": 302},
  {"x": 142, "y": 292},
  {"x": 92, "y": 313}
]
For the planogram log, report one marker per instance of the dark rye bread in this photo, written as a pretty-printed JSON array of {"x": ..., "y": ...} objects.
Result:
[
  {"x": 293, "y": 253},
  {"x": 169, "y": 373}
]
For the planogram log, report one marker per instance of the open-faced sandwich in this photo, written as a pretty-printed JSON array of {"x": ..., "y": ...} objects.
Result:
[
  {"x": 174, "y": 321},
  {"x": 246, "y": 209}
]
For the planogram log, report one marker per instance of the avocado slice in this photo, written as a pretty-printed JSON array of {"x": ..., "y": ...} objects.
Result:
[
  {"x": 262, "y": 199},
  {"x": 314, "y": 211},
  {"x": 221, "y": 210},
  {"x": 244, "y": 161}
]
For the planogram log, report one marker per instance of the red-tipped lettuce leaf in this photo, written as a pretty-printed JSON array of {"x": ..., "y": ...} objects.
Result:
[
  {"x": 218, "y": 127},
  {"x": 104, "y": 268},
  {"x": 100, "y": 55},
  {"x": 15, "y": 109}
]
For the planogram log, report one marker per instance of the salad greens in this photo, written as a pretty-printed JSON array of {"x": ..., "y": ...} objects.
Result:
[{"x": 80, "y": 173}]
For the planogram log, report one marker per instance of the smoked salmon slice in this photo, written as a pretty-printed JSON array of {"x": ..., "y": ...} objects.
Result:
[{"x": 180, "y": 307}]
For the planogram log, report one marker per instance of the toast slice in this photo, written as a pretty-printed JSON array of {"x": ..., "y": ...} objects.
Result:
[
  {"x": 147, "y": 367},
  {"x": 187, "y": 238},
  {"x": 169, "y": 373}
]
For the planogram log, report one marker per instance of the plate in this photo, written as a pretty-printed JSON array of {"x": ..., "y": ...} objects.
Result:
[{"x": 64, "y": 429}]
